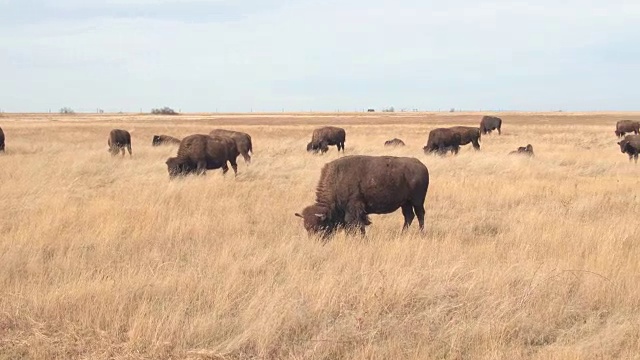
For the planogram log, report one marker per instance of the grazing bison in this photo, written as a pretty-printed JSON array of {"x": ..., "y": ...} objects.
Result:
[
  {"x": 355, "y": 186},
  {"x": 1, "y": 140},
  {"x": 441, "y": 140},
  {"x": 164, "y": 140},
  {"x": 490, "y": 123},
  {"x": 468, "y": 135},
  {"x": 198, "y": 153},
  {"x": 631, "y": 146},
  {"x": 243, "y": 141},
  {"x": 627, "y": 126},
  {"x": 118, "y": 141},
  {"x": 323, "y": 137},
  {"x": 523, "y": 150},
  {"x": 394, "y": 142}
]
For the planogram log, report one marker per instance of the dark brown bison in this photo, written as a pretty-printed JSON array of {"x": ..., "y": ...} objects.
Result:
[
  {"x": 243, "y": 141},
  {"x": 355, "y": 186},
  {"x": 523, "y": 150},
  {"x": 1, "y": 140},
  {"x": 198, "y": 153},
  {"x": 627, "y": 126},
  {"x": 490, "y": 123},
  {"x": 323, "y": 137},
  {"x": 164, "y": 140},
  {"x": 631, "y": 146},
  {"x": 442, "y": 140},
  {"x": 394, "y": 142},
  {"x": 118, "y": 141},
  {"x": 468, "y": 135}
]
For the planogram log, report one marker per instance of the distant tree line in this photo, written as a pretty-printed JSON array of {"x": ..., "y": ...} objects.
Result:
[{"x": 164, "y": 111}]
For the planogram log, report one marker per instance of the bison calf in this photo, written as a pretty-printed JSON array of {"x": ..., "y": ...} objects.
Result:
[
  {"x": 118, "y": 141},
  {"x": 164, "y": 140},
  {"x": 355, "y": 186},
  {"x": 198, "y": 153}
]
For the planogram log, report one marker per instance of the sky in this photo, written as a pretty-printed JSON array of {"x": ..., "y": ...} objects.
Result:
[{"x": 312, "y": 55}]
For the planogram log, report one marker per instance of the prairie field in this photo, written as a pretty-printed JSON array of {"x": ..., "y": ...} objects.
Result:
[{"x": 522, "y": 258}]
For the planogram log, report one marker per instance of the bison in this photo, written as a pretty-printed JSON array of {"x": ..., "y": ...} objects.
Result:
[
  {"x": 325, "y": 136},
  {"x": 490, "y": 123},
  {"x": 394, "y": 142},
  {"x": 631, "y": 146},
  {"x": 353, "y": 187},
  {"x": 627, "y": 126},
  {"x": 468, "y": 135},
  {"x": 198, "y": 153},
  {"x": 441, "y": 140},
  {"x": 118, "y": 141},
  {"x": 164, "y": 140},
  {"x": 1, "y": 140},
  {"x": 523, "y": 150},
  {"x": 243, "y": 141}
]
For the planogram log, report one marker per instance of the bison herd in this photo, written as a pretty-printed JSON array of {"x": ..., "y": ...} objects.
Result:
[{"x": 352, "y": 187}]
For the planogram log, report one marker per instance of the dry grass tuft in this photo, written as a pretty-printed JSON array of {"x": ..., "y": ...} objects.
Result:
[{"x": 523, "y": 257}]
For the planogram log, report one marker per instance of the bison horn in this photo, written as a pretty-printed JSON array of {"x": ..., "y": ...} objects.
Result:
[
  {"x": 321, "y": 216},
  {"x": 300, "y": 216}
]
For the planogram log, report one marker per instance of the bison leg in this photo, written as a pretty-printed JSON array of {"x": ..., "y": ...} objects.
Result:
[
  {"x": 419, "y": 210},
  {"x": 128, "y": 148},
  {"x": 234, "y": 166},
  {"x": 455, "y": 149},
  {"x": 407, "y": 211},
  {"x": 476, "y": 144},
  {"x": 201, "y": 168},
  {"x": 499, "y": 132},
  {"x": 635, "y": 157},
  {"x": 225, "y": 168}
]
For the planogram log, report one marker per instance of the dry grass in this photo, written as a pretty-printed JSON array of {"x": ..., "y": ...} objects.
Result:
[{"x": 523, "y": 258}]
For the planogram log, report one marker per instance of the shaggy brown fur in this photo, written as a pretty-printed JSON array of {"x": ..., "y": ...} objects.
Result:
[
  {"x": 631, "y": 146},
  {"x": 468, "y": 135},
  {"x": 323, "y": 137},
  {"x": 490, "y": 123},
  {"x": 523, "y": 150},
  {"x": 353, "y": 187},
  {"x": 198, "y": 153},
  {"x": 442, "y": 140},
  {"x": 164, "y": 140},
  {"x": 118, "y": 141},
  {"x": 627, "y": 126},
  {"x": 243, "y": 141},
  {"x": 394, "y": 142},
  {"x": 1, "y": 140}
]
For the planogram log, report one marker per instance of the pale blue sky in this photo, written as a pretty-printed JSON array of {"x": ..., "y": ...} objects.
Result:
[{"x": 265, "y": 55}]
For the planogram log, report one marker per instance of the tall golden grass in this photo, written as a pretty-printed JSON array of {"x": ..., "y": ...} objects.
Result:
[{"x": 104, "y": 257}]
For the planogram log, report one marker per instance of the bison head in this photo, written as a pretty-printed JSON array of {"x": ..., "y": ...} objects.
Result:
[
  {"x": 310, "y": 146},
  {"x": 156, "y": 140},
  {"x": 318, "y": 220},
  {"x": 623, "y": 145},
  {"x": 177, "y": 167}
]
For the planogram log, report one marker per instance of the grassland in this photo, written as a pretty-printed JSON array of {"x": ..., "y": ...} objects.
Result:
[{"x": 104, "y": 257}]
